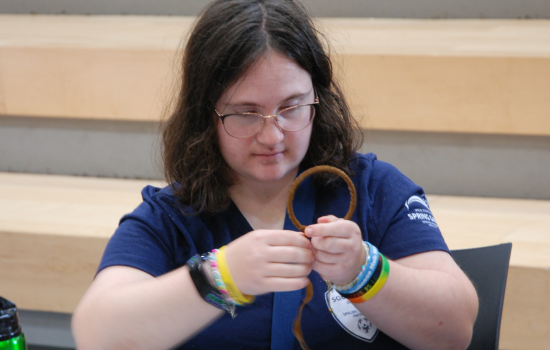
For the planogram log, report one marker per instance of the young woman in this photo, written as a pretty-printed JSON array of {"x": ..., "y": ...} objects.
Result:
[{"x": 257, "y": 106}]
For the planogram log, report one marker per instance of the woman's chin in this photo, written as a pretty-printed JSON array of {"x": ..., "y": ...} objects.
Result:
[{"x": 273, "y": 175}]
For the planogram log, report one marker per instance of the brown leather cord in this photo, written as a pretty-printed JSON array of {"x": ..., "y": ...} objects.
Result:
[{"x": 297, "y": 327}]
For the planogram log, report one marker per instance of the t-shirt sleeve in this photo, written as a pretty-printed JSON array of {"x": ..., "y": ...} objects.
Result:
[
  {"x": 402, "y": 220},
  {"x": 141, "y": 240}
]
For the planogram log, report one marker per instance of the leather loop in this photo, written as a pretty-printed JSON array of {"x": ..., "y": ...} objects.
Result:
[
  {"x": 297, "y": 328},
  {"x": 310, "y": 171}
]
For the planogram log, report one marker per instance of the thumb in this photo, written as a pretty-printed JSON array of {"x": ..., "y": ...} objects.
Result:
[{"x": 327, "y": 219}]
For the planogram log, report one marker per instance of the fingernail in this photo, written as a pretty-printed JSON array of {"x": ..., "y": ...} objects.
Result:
[{"x": 308, "y": 231}]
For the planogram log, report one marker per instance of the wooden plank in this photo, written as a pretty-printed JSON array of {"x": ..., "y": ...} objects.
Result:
[
  {"x": 53, "y": 230},
  {"x": 468, "y": 222},
  {"x": 439, "y": 37},
  {"x": 2, "y": 98},
  {"x": 526, "y": 314},
  {"x": 86, "y": 83},
  {"x": 48, "y": 272},
  {"x": 503, "y": 95},
  {"x": 66, "y": 205},
  {"x": 479, "y": 76}
]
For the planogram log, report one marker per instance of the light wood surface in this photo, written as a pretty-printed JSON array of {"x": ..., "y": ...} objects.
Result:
[
  {"x": 481, "y": 76},
  {"x": 468, "y": 222},
  {"x": 53, "y": 230},
  {"x": 526, "y": 314},
  {"x": 66, "y": 205}
]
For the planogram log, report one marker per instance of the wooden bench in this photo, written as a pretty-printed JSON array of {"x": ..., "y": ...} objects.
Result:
[
  {"x": 473, "y": 76},
  {"x": 53, "y": 230}
]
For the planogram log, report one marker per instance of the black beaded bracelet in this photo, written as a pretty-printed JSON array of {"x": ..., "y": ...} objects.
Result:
[
  {"x": 209, "y": 293},
  {"x": 199, "y": 279}
]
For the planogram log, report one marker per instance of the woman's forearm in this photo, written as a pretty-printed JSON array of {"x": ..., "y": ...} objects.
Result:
[
  {"x": 144, "y": 313},
  {"x": 424, "y": 308}
]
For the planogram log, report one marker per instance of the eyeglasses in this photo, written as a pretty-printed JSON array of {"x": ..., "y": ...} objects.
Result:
[{"x": 293, "y": 118}]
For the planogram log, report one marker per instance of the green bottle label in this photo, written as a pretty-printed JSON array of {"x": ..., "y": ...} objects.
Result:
[{"x": 16, "y": 343}]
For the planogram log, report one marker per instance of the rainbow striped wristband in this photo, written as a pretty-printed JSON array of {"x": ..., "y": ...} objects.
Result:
[{"x": 374, "y": 286}]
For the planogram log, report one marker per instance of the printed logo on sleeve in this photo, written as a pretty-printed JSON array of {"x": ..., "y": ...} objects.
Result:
[
  {"x": 349, "y": 318},
  {"x": 416, "y": 199},
  {"x": 419, "y": 210}
]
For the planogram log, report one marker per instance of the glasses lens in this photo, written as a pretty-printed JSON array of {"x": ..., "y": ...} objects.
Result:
[
  {"x": 242, "y": 125},
  {"x": 296, "y": 118}
]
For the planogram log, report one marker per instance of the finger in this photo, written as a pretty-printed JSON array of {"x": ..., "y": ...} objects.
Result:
[
  {"x": 329, "y": 258},
  {"x": 338, "y": 228},
  {"x": 288, "y": 270},
  {"x": 337, "y": 273},
  {"x": 279, "y": 284},
  {"x": 286, "y": 254},
  {"x": 326, "y": 219},
  {"x": 333, "y": 245},
  {"x": 326, "y": 270},
  {"x": 284, "y": 238}
]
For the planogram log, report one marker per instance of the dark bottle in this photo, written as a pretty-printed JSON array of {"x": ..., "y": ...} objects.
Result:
[{"x": 11, "y": 336}]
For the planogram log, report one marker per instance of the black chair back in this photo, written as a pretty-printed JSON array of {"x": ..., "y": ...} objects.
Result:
[{"x": 487, "y": 268}]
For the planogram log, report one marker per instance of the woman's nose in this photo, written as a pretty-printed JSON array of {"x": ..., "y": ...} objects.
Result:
[{"x": 270, "y": 133}]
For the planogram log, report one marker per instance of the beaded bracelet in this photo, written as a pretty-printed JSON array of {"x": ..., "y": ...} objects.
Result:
[
  {"x": 208, "y": 293},
  {"x": 218, "y": 276},
  {"x": 234, "y": 292}
]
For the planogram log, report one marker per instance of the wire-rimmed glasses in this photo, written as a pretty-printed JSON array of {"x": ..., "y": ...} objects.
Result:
[{"x": 293, "y": 118}]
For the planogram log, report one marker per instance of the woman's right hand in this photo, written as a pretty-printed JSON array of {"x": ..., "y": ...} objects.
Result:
[{"x": 266, "y": 261}]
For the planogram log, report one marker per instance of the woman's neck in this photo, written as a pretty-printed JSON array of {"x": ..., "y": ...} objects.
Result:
[{"x": 263, "y": 205}]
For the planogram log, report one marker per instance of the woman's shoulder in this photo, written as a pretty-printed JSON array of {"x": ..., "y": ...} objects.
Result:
[
  {"x": 159, "y": 206},
  {"x": 367, "y": 167},
  {"x": 162, "y": 198},
  {"x": 381, "y": 182},
  {"x": 154, "y": 193}
]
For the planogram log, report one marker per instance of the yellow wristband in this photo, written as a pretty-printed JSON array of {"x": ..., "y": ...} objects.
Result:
[{"x": 236, "y": 295}]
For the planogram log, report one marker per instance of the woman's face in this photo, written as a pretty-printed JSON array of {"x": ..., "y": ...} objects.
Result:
[{"x": 273, "y": 83}]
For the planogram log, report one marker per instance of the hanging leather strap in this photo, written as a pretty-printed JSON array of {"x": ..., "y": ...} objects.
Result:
[{"x": 285, "y": 304}]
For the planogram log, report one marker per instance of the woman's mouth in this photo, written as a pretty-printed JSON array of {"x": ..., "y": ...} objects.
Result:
[{"x": 269, "y": 155}]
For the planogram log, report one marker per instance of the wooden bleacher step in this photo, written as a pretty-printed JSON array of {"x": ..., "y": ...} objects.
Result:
[{"x": 472, "y": 76}]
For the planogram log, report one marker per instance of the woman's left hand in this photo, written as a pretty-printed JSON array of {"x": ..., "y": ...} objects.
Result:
[{"x": 338, "y": 248}]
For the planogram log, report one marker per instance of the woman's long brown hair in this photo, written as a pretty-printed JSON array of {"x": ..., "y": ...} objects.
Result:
[{"x": 227, "y": 39}]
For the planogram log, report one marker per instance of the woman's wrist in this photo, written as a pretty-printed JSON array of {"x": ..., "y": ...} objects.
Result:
[
  {"x": 227, "y": 278},
  {"x": 202, "y": 278},
  {"x": 370, "y": 279},
  {"x": 363, "y": 269},
  {"x": 355, "y": 280},
  {"x": 214, "y": 283}
]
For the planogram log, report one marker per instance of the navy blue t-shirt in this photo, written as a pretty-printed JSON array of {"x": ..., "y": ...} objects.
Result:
[{"x": 392, "y": 213}]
